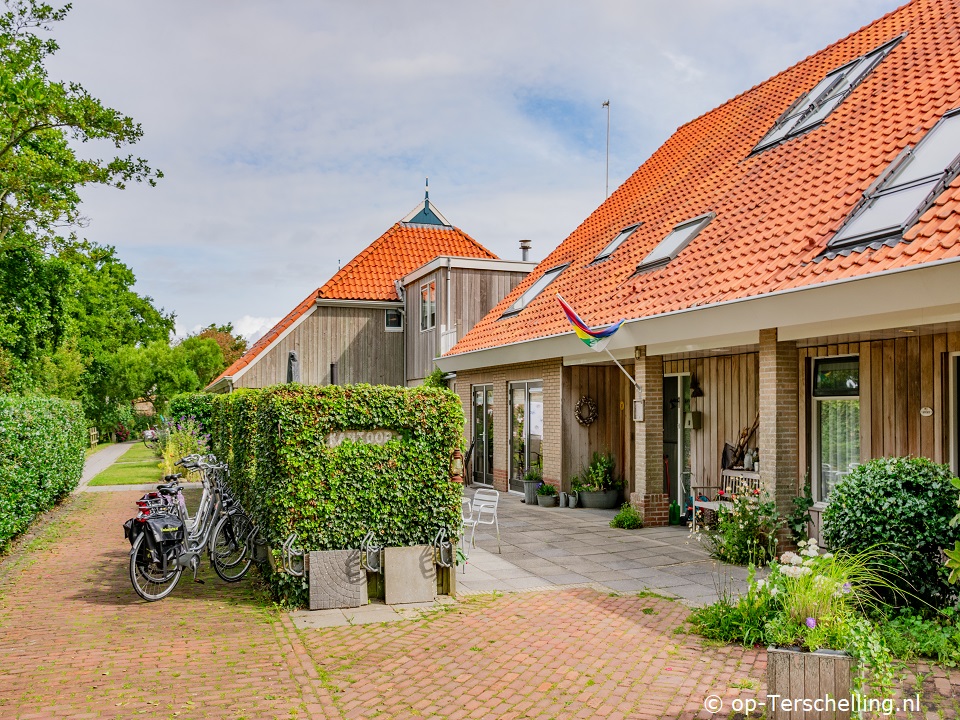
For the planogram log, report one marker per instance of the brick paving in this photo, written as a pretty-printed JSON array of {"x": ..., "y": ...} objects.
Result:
[{"x": 75, "y": 642}]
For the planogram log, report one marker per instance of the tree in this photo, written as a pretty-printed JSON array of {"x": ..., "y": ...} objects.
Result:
[
  {"x": 232, "y": 345},
  {"x": 41, "y": 122}
]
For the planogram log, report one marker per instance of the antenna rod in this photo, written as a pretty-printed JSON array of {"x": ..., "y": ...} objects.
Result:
[{"x": 607, "y": 189}]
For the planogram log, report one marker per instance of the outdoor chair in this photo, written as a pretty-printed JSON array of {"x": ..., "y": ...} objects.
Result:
[{"x": 481, "y": 510}]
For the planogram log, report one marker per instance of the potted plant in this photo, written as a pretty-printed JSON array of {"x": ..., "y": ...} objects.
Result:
[
  {"x": 597, "y": 485},
  {"x": 546, "y": 495},
  {"x": 531, "y": 481}
]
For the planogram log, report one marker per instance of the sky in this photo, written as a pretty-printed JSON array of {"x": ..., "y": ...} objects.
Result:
[{"x": 293, "y": 133}]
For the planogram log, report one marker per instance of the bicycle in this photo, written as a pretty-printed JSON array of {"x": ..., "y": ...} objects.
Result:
[{"x": 164, "y": 543}]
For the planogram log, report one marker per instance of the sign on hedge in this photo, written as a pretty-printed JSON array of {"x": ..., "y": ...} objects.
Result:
[{"x": 332, "y": 463}]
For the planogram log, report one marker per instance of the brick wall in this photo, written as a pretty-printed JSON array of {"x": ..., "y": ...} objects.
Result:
[
  {"x": 648, "y": 473},
  {"x": 500, "y": 377},
  {"x": 779, "y": 419}
]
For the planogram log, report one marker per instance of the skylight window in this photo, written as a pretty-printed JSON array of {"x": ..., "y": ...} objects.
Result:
[
  {"x": 675, "y": 241},
  {"x": 616, "y": 242},
  {"x": 538, "y": 287},
  {"x": 814, "y": 107},
  {"x": 907, "y": 187}
]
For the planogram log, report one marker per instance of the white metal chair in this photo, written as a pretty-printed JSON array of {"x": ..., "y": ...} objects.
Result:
[{"x": 481, "y": 510}]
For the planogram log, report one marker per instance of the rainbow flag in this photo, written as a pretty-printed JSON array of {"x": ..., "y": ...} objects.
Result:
[{"x": 594, "y": 339}]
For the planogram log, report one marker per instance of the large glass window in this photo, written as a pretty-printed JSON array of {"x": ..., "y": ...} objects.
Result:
[
  {"x": 526, "y": 430},
  {"x": 907, "y": 188},
  {"x": 836, "y": 410},
  {"x": 811, "y": 109},
  {"x": 428, "y": 305}
]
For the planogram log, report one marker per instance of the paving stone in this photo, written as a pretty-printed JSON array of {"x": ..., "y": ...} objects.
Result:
[
  {"x": 409, "y": 574},
  {"x": 336, "y": 580}
]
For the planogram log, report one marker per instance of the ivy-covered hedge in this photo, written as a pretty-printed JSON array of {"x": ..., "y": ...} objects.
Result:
[
  {"x": 42, "y": 450},
  {"x": 291, "y": 481},
  {"x": 197, "y": 404}
]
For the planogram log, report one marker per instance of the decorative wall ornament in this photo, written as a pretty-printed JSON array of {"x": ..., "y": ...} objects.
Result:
[{"x": 587, "y": 411}]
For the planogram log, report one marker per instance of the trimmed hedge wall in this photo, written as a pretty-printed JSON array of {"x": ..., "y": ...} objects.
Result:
[
  {"x": 42, "y": 450},
  {"x": 197, "y": 404},
  {"x": 290, "y": 480}
]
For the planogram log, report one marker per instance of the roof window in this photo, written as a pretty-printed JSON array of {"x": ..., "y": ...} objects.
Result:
[
  {"x": 675, "y": 241},
  {"x": 538, "y": 287},
  {"x": 616, "y": 242},
  {"x": 909, "y": 185},
  {"x": 814, "y": 107}
]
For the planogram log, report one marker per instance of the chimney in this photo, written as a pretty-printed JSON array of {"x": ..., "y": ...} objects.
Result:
[{"x": 525, "y": 249}]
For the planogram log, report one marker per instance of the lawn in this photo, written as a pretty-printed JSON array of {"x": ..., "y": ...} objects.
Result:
[{"x": 137, "y": 466}]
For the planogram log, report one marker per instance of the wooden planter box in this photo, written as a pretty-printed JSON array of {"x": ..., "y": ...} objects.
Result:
[
  {"x": 794, "y": 674},
  {"x": 604, "y": 500}
]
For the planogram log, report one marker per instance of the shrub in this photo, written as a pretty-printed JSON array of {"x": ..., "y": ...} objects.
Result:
[
  {"x": 746, "y": 532},
  {"x": 905, "y": 505},
  {"x": 42, "y": 450},
  {"x": 179, "y": 438},
  {"x": 629, "y": 518},
  {"x": 292, "y": 480},
  {"x": 911, "y": 636},
  {"x": 546, "y": 489},
  {"x": 196, "y": 404}
]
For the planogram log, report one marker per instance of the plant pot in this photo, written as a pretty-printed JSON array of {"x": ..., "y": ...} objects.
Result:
[
  {"x": 602, "y": 500},
  {"x": 795, "y": 673},
  {"x": 530, "y": 491},
  {"x": 547, "y": 500}
]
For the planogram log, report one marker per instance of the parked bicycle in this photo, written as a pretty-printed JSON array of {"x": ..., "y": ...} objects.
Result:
[{"x": 165, "y": 540}]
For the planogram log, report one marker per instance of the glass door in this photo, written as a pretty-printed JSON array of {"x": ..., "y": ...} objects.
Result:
[
  {"x": 482, "y": 458},
  {"x": 526, "y": 430},
  {"x": 676, "y": 438}
]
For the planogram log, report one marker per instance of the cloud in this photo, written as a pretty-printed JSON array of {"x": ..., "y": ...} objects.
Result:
[{"x": 253, "y": 328}]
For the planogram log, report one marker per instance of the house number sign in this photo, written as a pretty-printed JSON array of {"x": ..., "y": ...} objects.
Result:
[{"x": 371, "y": 437}]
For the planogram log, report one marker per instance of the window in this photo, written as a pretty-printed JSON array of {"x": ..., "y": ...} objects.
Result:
[
  {"x": 526, "y": 431},
  {"x": 392, "y": 320},
  {"x": 675, "y": 241},
  {"x": 616, "y": 242},
  {"x": 836, "y": 419},
  {"x": 428, "y": 305},
  {"x": 813, "y": 108},
  {"x": 907, "y": 187},
  {"x": 548, "y": 277}
]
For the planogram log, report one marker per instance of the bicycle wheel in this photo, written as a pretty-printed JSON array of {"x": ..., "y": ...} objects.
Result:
[
  {"x": 232, "y": 552},
  {"x": 147, "y": 576}
]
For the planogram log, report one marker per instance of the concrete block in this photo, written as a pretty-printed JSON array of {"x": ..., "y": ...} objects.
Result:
[
  {"x": 410, "y": 575},
  {"x": 336, "y": 580}
]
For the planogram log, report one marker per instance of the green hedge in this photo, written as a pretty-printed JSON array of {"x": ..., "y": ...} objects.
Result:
[
  {"x": 197, "y": 404},
  {"x": 290, "y": 480},
  {"x": 42, "y": 450}
]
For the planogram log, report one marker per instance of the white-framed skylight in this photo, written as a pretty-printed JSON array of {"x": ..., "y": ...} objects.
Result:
[
  {"x": 616, "y": 242},
  {"x": 675, "y": 241},
  {"x": 909, "y": 185},
  {"x": 811, "y": 109},
  {"x": 538, "y": 287}
]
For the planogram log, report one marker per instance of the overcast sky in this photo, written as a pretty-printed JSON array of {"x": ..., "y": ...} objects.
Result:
[{"x": 293, "y": 133}]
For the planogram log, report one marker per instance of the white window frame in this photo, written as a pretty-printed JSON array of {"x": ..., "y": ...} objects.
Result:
[
  {"x": 428, "y": 320},
  {"x": 660, "y": 258},
  {"x": 815, "y": 462},
  {"x": 386, "y": 314},
  {"x": 532, "y": 292},
  {"x": 954, "y": 423},
  {"x": 612, "y": 246}
]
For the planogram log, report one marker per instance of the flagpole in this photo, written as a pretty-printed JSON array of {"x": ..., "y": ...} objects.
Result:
[{"x": 623, "y": 369}]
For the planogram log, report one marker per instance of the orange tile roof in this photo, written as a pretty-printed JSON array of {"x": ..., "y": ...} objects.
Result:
[
  {"x": 775, "y": 210},
  {"x": 370, "y": 275},
  {"x": 399, "y": 251}
]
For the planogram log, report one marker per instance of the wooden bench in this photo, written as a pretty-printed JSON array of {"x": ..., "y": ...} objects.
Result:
[{"x": 731, "y": 483}]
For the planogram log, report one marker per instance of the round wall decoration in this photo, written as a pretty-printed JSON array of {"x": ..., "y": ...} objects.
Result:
[{"x": 587, "y": 410}]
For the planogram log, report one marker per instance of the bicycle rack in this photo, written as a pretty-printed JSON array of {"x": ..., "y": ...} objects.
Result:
[
  {"x": 444, "y": 549},
  {"x": 371, "y": 556},
  {"x": 291, "y": 558}
]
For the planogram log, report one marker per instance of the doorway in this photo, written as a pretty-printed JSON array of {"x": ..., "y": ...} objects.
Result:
[
  {"x": 676, "y": 438},
  {"x": 526, "y": 430},
  {"x": 483, "y": 434}
]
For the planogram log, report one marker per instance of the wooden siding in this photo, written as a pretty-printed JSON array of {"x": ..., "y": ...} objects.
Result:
[
  {"x": 898, "y": 377},
  {"x": 614, "y": 428},
  {"x": 352, "y": 337},
  {"x": 473, "y": 293},
  {"x": 730, "y": 402}
]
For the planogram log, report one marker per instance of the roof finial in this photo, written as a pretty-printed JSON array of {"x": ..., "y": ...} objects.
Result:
[{"x": 426, "y": 195}]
